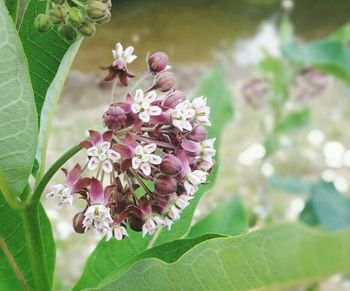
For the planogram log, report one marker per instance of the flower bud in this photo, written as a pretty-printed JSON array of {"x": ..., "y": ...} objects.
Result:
[
  {"x": 198, "y": 133},
  {"x": 87, "y": 28},
  {"x": 104, "y": 19},
  {"x": 58, "y": 14},
  {"x": 78, "y": 222},
  {"x": 158, "y": 62},
  {"x": 171, "y": 165},
  {"x": 43, "y": 23},
  {"x": 114, "y": 118},
  {"x": 67, "y": 31},
  {"x": 165, "y": 184},
  {"x": 135, "y": 222},
  {"x": 164, "y": 81},
  {"x": 174, "y": 98},
  {"x": 96, "y": 10},
  {"x": 75, "y": 16}
]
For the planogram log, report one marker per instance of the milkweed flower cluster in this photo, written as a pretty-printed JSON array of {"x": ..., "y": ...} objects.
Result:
[{"x": 146, "y": 167}]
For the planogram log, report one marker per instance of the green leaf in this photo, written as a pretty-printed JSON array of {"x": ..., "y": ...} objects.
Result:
[
  {"x": 256, "y": 260},
  {"x": 99, "y": 264},
  {"x": 308, "y": 215},
  {"x": 49, "y": 58},
  {"x": 12, "y": 6},
  {"x": 292, "y": 185},
  {"x": 12, "y": 239},
  {"x": 330, "y": 55},
  {"x": 331, "y": 207},
  {"x": 18, "y": 126},
  {"x": 294, "y": 120},
  {"x": 228, "y": 218}
]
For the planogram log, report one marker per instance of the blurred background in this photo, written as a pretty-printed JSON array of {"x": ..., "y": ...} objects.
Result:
[{"x": 245, "y": 37}]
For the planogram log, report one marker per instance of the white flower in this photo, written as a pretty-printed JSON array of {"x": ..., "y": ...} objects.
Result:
[
  {"x": 102, "y": 153},
  {"x": 118, "y": 231},
  {"x": 142, "y": 105},
  {"x": 193, "y": 179},
  {"x": 207, "y": 150},
  {"x": 144, "y": 158},
  {"x": 202, "y": 111},
  {"x": 181, "y": 115},
  {"x": 98, "y": 217},
  {"x": 152, "y": 224},
  {"x": 168, "y": 222},
  {"x": 124, "y": 55},
  {"x": 63, "y": 194},
  {"x": 182, "y": 201},
  {"x": 174, "y": 212}
]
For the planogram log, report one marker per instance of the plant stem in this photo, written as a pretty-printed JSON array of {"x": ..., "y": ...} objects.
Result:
[
  {"x": 36, "y": 252},
  {"x": 154, "y": 239},
  {"x": 35, "y": 198}
]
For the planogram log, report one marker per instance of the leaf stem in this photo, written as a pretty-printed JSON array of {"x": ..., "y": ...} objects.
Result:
[
  {"x": 36, "y": 252},
  {"x": 35, "y": 198}
]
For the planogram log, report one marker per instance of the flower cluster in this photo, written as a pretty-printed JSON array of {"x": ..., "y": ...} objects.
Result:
[
  {"x": 144, "y": 170},
  {"x": 74, "y": 17}
]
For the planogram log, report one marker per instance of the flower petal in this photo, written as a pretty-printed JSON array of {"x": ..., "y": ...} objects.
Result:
[
  {"x": 144, "y": 116},
  {"x": 155, "y": 160},
  {"x": 73, "y": 176},
  {"x": 93, "y": 163},
  {"x": 118, "y": 50},
  {"x": 145, "y": 168},
  {"x": 136, "y": 162},
  {"x": 92, "y": 152},
  {"x": 96, "y": 192},
  {"x": 151, "y": 96},
  {"x": 113, "y": 155},
  {"x": 155, "y": 111},
  {"x": 139, "y": 96},
  {"x": 128, "y": 52},
  {"x": 107, "y": 166},
  {"x": 131, "y": 58},
  {"x": 135, "y": 107},
  {"x": 150, "y": 148}
]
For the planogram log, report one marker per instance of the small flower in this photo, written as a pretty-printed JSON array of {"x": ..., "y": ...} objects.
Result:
[
  {"x": 152, "y": 224},
  {"x": 202, "y": 111},
  {"x": 125, "y": 55},
  {"x": 100, "y": 152},
  {"x": 118, "y": 231},
  {"x": 193, "y": 179},
  {"x": 181, "y": 115},
  {"x": 207, "y": 150},
  {"x": 144, "y": 158},
  {"x": 143, "y": 107},
  {"x": 73, "y": 184}
]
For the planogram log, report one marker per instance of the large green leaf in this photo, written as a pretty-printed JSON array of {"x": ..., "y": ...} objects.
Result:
[
  {"x": 12, "y": 6},
  {"x": 256, "y": 260},
  {"x": 18, "y": 273},
  {"x": 49, "y": 58},
  {"x": 228, "y": 218},
  {"x": 99, "y": 264},
  {"x": 18, "y": 126}
]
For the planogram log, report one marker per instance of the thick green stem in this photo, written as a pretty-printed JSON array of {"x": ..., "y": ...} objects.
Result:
[
  {"x": 36, "y": 251},
  {"x": 35, "y": 198}
]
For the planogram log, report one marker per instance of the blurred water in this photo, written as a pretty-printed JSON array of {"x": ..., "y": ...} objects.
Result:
[{"x": 191, "y": 30}]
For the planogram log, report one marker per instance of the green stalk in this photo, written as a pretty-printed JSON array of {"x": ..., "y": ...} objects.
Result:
[{"x": 36, "y": 251}]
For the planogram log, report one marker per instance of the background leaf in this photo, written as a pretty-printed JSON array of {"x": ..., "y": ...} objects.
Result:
[
  {"x": 228, "y": 218},
  {"x": 12, "y": 235},
  {"x": 99, "y": 264},
  {"x": 289, "y": 184},
  {"x": 12, "y": 6},
  {"x": 294, "y": 120},
  {"x": 18, "y": 127},
  {"x": 256, "y": 260}
]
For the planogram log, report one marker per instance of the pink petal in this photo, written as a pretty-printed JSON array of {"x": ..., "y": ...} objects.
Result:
[
  {"x": 125, "y": 151},
  {"x": 73, "y": 176},
  {"x": 95, "y": 136},
  {"x": 96, "y": 192},
  {"x": 107, "y": 166},
  {"x": 190, "y": 146},
  {"x": 107, "y": 136},
  {"x": 150, "y": 148},
  {"x": 185, "y": 164},
  {"x": 86, "y": 144},
  {"x": 93, "y": 162}
]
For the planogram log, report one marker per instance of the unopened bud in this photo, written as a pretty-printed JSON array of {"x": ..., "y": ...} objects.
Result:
[
  {"x": 75, "y": 16},
  {"x": 158, "y": 62},
  {"x": 58, "y": 14},
  {"x": 67, "y": 31},
  {"x": 96, "y": 10},
  {"x": 114, "y": 117},
  {"x": 198, "y": 133},
  {"x": 171, "y": 165},
  {"x": 135, "y": 222},
  {"x": 174, "y": 98},
  {"x": 165, "y": 184},
  {"x": 78, "y": 222},
  {"x": 164, "y": 81},
  {"x": 87, "y": 28},
  {"x": 104, "y": 19},
  {"x": 43, "y": 23}
]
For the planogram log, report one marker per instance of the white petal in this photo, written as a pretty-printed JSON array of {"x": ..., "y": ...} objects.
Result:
[
  {"x": 138, "y": 96},
  {"x": 119, "y": 49},
  {"x": 155, "y": 111},
  {"x": 150, "y": 148},
  {"x": 145, "y": 168},
  {"x": 105, "y": 146},
  {"x": 139, "y": 150},
  {"x": 109, "y": 234},
  {"x": 136, "y": 162},
  {"x": 155, "y": 160},
  {"x": 93, "y": 163},
  {"x": 131, "y": 58},
  {"x": 92, "y": 152},
  {"x": 135, "y": 107},
  {"x": 128, "y": 52},
  {"x": 107, "y": 166},
  {"x": 144, "y": 116},
  {"x": 113, "y": 155},
  {"x": 151, "y": 96},
  {"x": 190, "y": 189}
]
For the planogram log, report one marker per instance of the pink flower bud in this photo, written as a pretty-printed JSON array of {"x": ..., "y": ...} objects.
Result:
[
  {"x": 135, "y": 222},
  {"x": 78, "y": 222},
  {"x": 164, "y": 81},
  {"x": 174, "y": 98},
  {"x": 171, "y": 165},
  {"x": 164, "y": 184},
  {"x": 114, "y": 118},
  {"x": 158, "y": 62},
  {"x": 199, "y": 133}
]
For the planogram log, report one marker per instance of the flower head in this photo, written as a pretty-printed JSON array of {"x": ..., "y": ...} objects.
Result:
[
  {"x": 124, "y": 55},
  {"x": 144, "y": 158},
  {"x": 142, "y": 105},
  {"x": 182, "y": 116}
]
